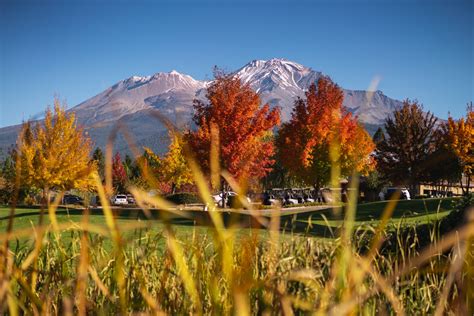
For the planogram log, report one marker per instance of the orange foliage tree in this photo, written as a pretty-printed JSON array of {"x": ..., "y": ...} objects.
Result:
[
  {"x": 243, "y": 126},
  {"x": 461, "y": 140},
  {"x": 317, "y": 123}
]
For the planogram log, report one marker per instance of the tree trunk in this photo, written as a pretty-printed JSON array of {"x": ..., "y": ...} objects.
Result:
[
  {"x": 317, "y": 187},
  {"x": 463, "y": 190},
  {"x": 468, "y": 184},
  {"x": 225, "y": 190},
  {"x": 44, "y": 204}
]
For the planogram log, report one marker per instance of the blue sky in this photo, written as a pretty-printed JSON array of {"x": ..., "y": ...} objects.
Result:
[{"x": 75, "y": 49}]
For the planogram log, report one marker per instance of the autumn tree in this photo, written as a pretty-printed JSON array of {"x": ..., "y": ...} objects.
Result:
[
  {"x": 119, "y": 175},
  {"x": 54, "y": 153},
  {"x": 175, "y": 168},
  {"x": 403, "y": 156},
  {"x": 318, "y": 122},
  {"x": 233, "y": 110},
  {"x": 461, "y": 142}
]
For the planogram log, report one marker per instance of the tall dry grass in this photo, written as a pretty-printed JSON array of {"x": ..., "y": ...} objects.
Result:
[{"x": 71, "y": 269}]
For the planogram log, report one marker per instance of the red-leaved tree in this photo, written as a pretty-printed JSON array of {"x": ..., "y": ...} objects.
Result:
[
  {"x": 244, "y": 128},
  {"x": 119, "y": 175}
]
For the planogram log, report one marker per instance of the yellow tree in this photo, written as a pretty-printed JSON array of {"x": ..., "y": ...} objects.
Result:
[
  {"x": 54, "y": 153},
  {"x": 175, "y": 167},
  {"x": 170, "y": 171},
  {"x": 461, "y": 140}
]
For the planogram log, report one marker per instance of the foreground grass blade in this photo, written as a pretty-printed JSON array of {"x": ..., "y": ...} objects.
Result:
[
  {"x": 110, "y": 221},
  {"x": 183, "y": 270}
]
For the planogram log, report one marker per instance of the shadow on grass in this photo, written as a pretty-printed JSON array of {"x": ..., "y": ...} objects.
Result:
[
  {"x": 300, "y": 223},
  {"x": 295, "y": 223}
]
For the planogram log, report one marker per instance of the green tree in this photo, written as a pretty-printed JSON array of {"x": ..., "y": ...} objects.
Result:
[
  {"x": 7, "y": 179},
  {"x": 131, "y": 168},
  {"x": 379, "y": 136},
  {"x": 279, "y": 177},
  {"x": 151, "y": 164},
  {"x": 442, "y": 165}
]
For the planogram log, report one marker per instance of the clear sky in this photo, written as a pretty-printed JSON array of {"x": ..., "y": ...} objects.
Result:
[{"x": 75, "y": 49}]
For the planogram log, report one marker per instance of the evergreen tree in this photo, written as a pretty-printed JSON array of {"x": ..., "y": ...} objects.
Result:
[
  {"x": 379, "y": 136},
  {"x": 131, "y": 168},
  {"x": 99, "y": 158}
]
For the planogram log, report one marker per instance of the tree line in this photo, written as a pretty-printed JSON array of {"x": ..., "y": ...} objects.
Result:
[{"x": 238, "y": 134}]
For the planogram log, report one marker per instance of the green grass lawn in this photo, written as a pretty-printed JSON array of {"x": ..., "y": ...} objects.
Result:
[
  {"x": 419, "y": 211},
  {"x": 409, "y": 212},
  {"x": 26, "y": 219},
  {"x": 414, "y": 212}
]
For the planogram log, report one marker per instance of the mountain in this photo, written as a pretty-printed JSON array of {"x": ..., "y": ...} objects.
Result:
[
  {"x": 168, "y": 92},
  {"x": 280, "y": 82},
  {"x": 133, "y": 101}
]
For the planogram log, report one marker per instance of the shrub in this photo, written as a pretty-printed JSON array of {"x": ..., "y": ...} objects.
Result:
[
  {"x": 458, "y": 215},
  {"x": 183, "y": 198},
  {"x": 421, "y": 197}
]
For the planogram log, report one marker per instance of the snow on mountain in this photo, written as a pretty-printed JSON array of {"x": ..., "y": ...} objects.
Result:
[
  {"x": 278, "y": 81},
  {"x": 373, "y": 111},
  {"x": 139, "y": 93},
  {"x": 269, "y": 75}
]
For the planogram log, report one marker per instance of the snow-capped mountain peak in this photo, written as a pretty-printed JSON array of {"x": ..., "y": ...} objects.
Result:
[
  {"x": 278, "y": 81},
  {"x": 271, "y": 74}
]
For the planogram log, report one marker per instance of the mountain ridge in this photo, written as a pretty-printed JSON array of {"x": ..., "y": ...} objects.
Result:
[{"x": 278, "y": 81}]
